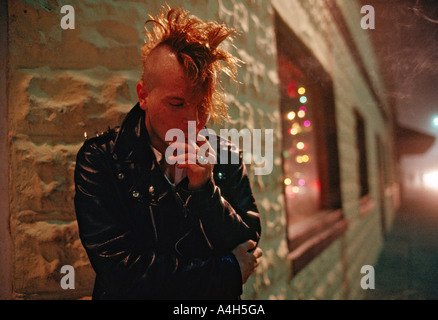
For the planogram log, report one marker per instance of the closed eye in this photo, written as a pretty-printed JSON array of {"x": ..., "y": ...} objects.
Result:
[{"x": 176, "y": 104}]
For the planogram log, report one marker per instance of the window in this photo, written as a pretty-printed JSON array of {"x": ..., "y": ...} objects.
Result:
[
  {"x": 367, "y": 204},
  {"x": 300, "y": 165},
  {"x": 362, "y": 151},
  {"x": 309, "y": 150}
]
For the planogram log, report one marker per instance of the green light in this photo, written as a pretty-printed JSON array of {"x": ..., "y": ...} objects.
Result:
[{"x": 303, "y": 99}]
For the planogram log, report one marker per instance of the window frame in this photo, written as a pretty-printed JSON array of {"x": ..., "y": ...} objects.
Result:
[
  {"x": 310, "y": 237},
  {"x": 361, "y": 145}
]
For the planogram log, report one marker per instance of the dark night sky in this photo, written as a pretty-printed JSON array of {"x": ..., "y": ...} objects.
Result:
[{"x": 406, "y": 45}]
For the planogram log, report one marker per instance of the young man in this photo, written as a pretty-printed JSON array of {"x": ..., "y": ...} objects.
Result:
[{"x": 160, "y": 229}]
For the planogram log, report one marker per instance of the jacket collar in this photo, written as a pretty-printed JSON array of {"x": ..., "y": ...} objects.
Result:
[
  {"x": 132, "y": 143},
  {"x": 132, "y": 148}
]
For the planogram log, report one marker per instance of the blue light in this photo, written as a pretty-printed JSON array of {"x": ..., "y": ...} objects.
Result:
[{"x": 303, "y": 99}]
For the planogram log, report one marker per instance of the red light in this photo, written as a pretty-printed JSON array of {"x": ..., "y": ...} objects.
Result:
[
  {"x": 316, "y": 184},
  {"x": 292, "y": 89}
]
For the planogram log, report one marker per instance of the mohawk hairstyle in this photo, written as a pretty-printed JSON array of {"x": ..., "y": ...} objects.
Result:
[{"x": 196, "y": 44}]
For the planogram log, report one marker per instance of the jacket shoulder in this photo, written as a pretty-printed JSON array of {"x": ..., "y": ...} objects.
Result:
[
  {"x": 97, "y": 148},
  {"x": 102, "y": 141}
]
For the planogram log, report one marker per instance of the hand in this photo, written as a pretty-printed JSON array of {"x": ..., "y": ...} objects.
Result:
[
  {"x": 247, "y": 258},
  {"x": 198, "y": 172}
]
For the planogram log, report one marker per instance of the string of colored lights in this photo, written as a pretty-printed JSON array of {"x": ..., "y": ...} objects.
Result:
[{"x": 299, "y": 122}]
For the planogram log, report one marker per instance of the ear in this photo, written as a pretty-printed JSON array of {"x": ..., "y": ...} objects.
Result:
[{"x": 142, "y": 94}]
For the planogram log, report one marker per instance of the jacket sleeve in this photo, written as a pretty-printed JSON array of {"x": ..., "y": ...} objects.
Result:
[
  {"x": 126, "y": 268},
  {"x": 229, "y": 214}
]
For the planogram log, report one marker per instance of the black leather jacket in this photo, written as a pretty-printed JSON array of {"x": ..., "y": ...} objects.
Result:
[{"x": 147, "y": 239}]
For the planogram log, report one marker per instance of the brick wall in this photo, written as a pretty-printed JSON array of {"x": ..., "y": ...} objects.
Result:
[{"x": 63, "y": 83}]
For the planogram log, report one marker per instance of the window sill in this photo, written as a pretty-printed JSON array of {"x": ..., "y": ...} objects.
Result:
[{"x": 307, "y": 239}]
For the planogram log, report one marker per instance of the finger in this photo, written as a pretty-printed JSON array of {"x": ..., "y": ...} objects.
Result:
[
  {"x": 195, "y": 164},
  {"x": 186, "y": 145},
  {"x": 258, "y": 253},
  {"x": 183, "y": 158},
  {"x": 193, "y": 153},
  {"x": 192, "y": 146},
  {"x": 201, "y": 139},
  {"x": 192, "y": 166},
  {"x": 248, "y": 245},
  {"x": 205, "y": 150}
]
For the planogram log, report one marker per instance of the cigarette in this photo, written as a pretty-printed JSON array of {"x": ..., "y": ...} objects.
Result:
[{"x": 193, "y": 144}]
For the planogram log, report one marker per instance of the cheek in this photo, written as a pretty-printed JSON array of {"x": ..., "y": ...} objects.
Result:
[
  {"x": 162, "y": 120},
  {"x": 155, "y": 110},
  {"x": 155, "y": 117},
  {"x": 203, "y": 119}
]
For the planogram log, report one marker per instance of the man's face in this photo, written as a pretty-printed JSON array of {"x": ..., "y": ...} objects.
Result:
[{"x": 168, "y": 97}]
